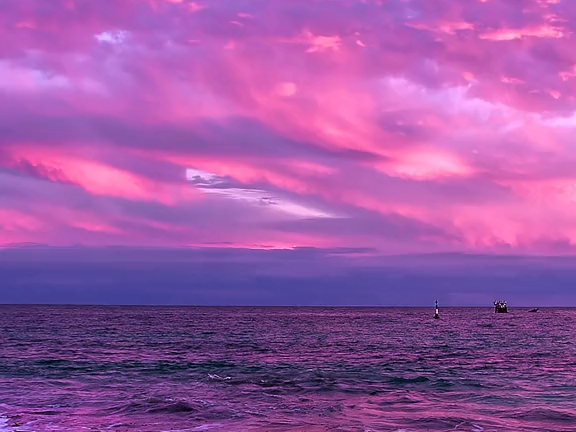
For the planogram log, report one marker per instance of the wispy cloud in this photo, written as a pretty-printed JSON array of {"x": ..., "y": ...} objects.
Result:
[{"x": 212, "y": 184}]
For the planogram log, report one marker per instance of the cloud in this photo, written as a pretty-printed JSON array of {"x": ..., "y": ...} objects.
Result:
[
  {"x": 213, "y": 185},
  {"x": 34, "y": 273},
  {"x": 392, "y": 126}
]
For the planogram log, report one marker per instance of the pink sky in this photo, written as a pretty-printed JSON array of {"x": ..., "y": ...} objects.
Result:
[{"x": 399, "y": 126}]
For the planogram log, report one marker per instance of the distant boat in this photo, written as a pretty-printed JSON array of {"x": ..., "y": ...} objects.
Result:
[
  {"x": 436, "y": 312},
  {"x": 500, "y": 307},
  {"x": 534, "y": 310}
]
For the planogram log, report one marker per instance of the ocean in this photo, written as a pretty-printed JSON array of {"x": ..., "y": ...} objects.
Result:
[{"x": 151, "y": 369}]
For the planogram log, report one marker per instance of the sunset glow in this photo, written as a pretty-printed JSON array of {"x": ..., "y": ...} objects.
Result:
[{"x": 455, "y": 119}]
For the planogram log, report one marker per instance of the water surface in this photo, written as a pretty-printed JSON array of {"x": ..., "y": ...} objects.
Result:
[{"x": 151, "y": 369}]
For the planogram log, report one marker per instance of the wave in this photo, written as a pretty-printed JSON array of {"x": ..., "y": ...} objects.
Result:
[
  {"x": 158, "y": 406},
  {"x": 5, "y": 426},
  {"x": 218, "y": 377},
  {"x": 547, "y": 414},
  {"x": 413, "y": 380},
  {"x": 193, "y": 409},
  {"x": 444, "y": 423}
]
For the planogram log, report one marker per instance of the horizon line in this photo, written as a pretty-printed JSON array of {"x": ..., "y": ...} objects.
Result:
[{"x": 275, "y": 306}]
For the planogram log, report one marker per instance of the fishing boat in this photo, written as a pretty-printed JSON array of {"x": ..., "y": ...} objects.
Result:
[
  {"x": 534, "y": 310},
  {"x": 500, "y": 306}
]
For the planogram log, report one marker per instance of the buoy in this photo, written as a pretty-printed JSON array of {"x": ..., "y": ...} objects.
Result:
[{"x": 436, "y": 313}]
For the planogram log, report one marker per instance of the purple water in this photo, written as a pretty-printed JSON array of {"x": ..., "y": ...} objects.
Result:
[{"x": 68, "y": 368}]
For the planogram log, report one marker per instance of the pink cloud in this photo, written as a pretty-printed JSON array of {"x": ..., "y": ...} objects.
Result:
[
  {"x": 440, "y": 128},
  {"x": 544, "y": 31}
]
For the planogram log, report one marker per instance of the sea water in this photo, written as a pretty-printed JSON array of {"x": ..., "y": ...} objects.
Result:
[{"x": 80, "y": 368}]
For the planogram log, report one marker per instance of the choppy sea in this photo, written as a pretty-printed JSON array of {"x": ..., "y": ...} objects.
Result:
[{"x": 151, "y": 369}]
